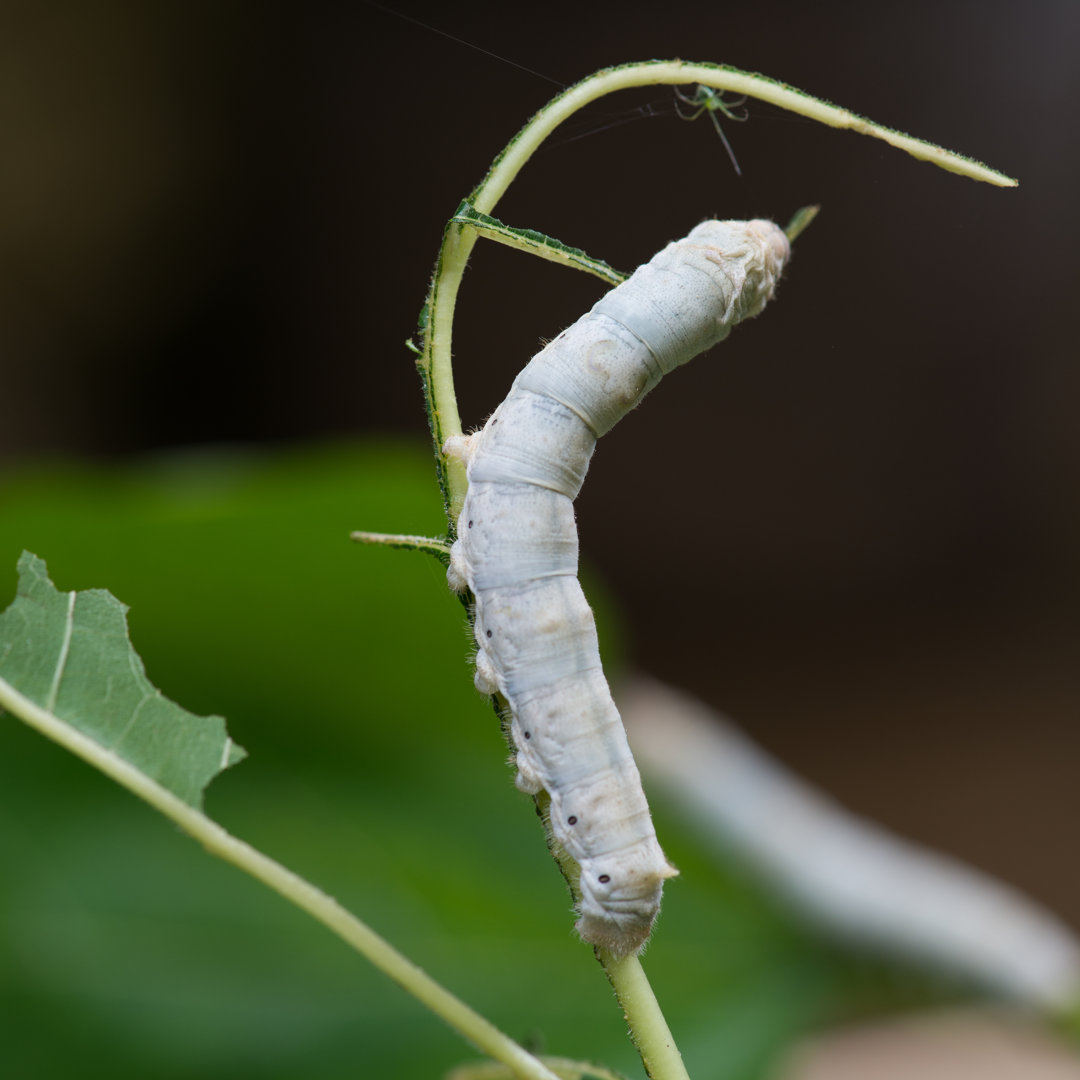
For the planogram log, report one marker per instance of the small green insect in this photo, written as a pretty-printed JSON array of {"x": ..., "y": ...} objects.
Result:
[{"x": 710, "y": 100}]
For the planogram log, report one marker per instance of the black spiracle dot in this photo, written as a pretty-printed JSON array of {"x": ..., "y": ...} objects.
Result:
[
  {"x": 572, "y": 819},
  {"x": 527, "y": 734},
  {"x": 604, "y": 879},
  {"x": 470, "y": 524},
  {"x": 488, "y": 633}
]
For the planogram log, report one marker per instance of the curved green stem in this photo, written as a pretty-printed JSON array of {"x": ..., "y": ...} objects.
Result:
[
  {"x": 474, "y": 1027},
  {"x": 458, "y": 239},
  {"x": 720, "y": 77}
]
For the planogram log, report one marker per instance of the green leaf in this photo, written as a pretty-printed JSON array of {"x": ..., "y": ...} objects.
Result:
[{"x": 69, "y": 655}]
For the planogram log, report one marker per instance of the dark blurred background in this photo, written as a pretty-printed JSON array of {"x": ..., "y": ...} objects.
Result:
[{"x": 854, "y": 527}]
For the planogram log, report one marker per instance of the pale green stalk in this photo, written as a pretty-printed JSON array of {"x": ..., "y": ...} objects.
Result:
[
  {"x": 534, "y": 243},
  {"x": 458, "y": 241},
  {"x": 439, "y": 548},
  {"x": 293, "y": 888},
  {"x": 649, "y": 1030}
]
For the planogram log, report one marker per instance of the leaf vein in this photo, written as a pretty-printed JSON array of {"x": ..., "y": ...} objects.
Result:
[
  {"x": 61, "y": 660},
  {"x": 133, "y": 721}
]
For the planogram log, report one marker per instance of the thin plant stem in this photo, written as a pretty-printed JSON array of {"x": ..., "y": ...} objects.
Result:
[
  {"x": 649, "y": 1030},
  {"x": 458, "y": 240},
  {"x": 474, "y": 1027}
]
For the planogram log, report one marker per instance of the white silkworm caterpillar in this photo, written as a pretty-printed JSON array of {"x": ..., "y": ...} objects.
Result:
[
  {"x": 517, "y": 552},
  {"x": 846, "y": 872}
]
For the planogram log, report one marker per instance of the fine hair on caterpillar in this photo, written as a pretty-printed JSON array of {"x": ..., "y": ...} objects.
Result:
[{"x": 517, "y": 553}]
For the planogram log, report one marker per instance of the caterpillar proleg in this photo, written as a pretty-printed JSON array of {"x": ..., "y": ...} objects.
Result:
[{"x": 517, "y": 552}]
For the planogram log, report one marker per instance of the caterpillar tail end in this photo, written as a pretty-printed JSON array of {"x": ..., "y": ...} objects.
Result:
[
  {"x": 623, "y": 927},
  {"x": 621, "y": 936}
]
